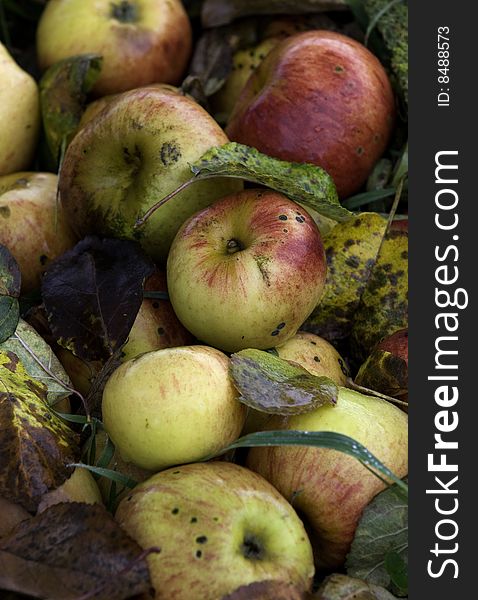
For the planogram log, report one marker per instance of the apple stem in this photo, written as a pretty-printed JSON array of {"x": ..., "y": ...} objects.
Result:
[{"x": 359, "y": 388}]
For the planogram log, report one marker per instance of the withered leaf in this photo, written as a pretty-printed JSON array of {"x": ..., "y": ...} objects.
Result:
[
  {"x": 39, "y": 361},
  {"x": 10, "y": 282},
  {"x": 35, "y": 445},
  {"x": 92, "y": 295},
  {"x": 70, "y": 550},
  {"x": 266, "y": 590},
  {"x": 384, "y": 372},
  {"x": 63, "y": 90},
  {"x": 219, "y": 12},
  {"x": 273, "y": 385},
  {"x": 383, "y": 305},
  {"x": 342, "y": 587}
]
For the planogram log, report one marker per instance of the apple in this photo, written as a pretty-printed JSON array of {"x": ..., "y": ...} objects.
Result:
[
  {"x": 318, "y": 97},
  {"x": 172, "y": 406},
  {"x": 330, "y": 489},
  {"x": 132, "y": 154},
  {"x": 141, "y": 41},
  {"x": 19, "y": 115},
  {"x": 32, "y": 225},
  {"x": 313, "y": 353},
  {"x": 247, "y": 271},
  {"x": 79, "y": 487},
  {"x": 219, "y": 527}
]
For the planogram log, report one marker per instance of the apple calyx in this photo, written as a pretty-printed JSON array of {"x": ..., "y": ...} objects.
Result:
[
  {"x": 234, "y": 246},
  {"x": 251, "y": 548},
  {"x": 124, "y": 11}
]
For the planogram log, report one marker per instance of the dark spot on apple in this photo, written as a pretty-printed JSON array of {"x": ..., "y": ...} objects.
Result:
[
  {"x": 317, "y": 359},
  {"x": 283, "y": 217},
  {"x": 252, "y": 548},
  {"x": 281, "y": 325},
  {"x": 5, "y": 211},
  {"x": 360, "y": 150},
  {"x": 262, "y": 56},
  {"x": 276, "y": 332},
  {"x": 194, "y": 520},
  {"x": 176, "y": 472},
  {"x": 124, "y": 11},
  {"x": 202, "y": 539},
  {"x": 339, "y": 69},
  {"x": 242, "y": 337},
  {"x": 198, "y": 553},
  {"x": 169, "y": 154},
  {"x": 43, "y": 259},
  {"x": 129, "y": 498},
  {"x": 300, "y": 219},
  {"x": 160, "y": 331},
  {"x": 175, "y": 511},
  {"x": 285, "y": 230},
  {"x": 216, "y": 519}
]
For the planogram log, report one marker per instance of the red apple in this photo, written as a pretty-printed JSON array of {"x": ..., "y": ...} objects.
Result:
[
  {"x": 246, "y": 271},
  {"x": 318, "y": 97}
]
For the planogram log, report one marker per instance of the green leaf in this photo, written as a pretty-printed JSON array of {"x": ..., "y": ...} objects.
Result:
[
  {"x": 382, "y": 532},
  {"x": 363, "y": 198},
  {"x": 273, "y": 385},
  {"x": 304, "y": 183},
  {"x": 10, "y": 283},
  {"x": 397, "y": 568},
  {"x": 36, "y": 446},
  {"x": 39, "y": 361},
  {"x": 109, "y": 474},
  {"x": 384, "y": 372},
  {"x": 319, "y": 439},
  {"x": 63, "y": 91}
]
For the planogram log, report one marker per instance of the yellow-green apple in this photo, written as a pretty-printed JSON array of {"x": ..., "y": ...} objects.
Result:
[
  {"x": 32, "y": 225},
  {"x": 141, "y": 41},
  {"x": 219, "y": 527},
  {"x": 79, "y": 487},
  {"x": 247, "y": 271},
  {"x": 133, "y": 153},
  {"x": 172, "y": 406},
  {"x": 318, "y": 97},
  {"x": 19, "y": 115},
  {"x": 313, "y": 353},
  {"x": 330, "y": 489}
]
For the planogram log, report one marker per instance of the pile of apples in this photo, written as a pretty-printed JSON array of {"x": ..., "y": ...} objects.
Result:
[{"x": 245, "y": 267}]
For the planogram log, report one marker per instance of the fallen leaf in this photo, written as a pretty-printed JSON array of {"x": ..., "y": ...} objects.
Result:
[
  {"x": 92, "y": 295},
  {"x": 384, "y": 372},
  {"x": 39, "y": 361},
  {"x": 10, "y": 282},
  {"x": 273, "y": 385},
  {"x": 35, "y": 445},
  {"x": 72, "y": 550},
  {"x": 63, "y": 94},
  {"x": 383, "y": 305},
  {"x": 342, "y": 587},
  {"x": 351, "y": 249},
  {"x": 218, "y": 12},
  {"x": 266, "y": 590},
  {"x": 383, "y": 529},
  {"x": 304, "y": 183}
]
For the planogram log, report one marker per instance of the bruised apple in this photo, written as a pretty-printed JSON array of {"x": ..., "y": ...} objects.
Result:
[
  {"x": 219, "y": 527},
  {"x": 318, "y": 97},
  {"x": 135, "y": 151},
  {"x": 247, "y": 271},
  {"x": 141, "y": 41}
]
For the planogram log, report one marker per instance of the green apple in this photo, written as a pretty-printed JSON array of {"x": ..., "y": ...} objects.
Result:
[
  {"x": 247, "y": 271},
  {"x": 132, "y": 154},
  {"x": 172, "y": 406},
  {"x": 313, "y": 353},
  {"x": 19, "y": 115},
  {"x": 141, "y": 41},
  {"x": 32, "y": 226},
  {"x": 318, "y": 97},
  {"x": 79, "y": 487},
  {"x": 219, "y": 526},
  {"x": 330, "y": 489}
]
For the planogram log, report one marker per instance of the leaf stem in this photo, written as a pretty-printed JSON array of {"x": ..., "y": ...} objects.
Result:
[{"x": 360, "y": 388}]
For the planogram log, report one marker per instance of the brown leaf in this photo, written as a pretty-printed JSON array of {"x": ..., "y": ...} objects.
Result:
[
  {"x": 342, "y": 587},
  {"x": 35, "y": 445},
  {"x": 70, "y": 551},
  {"x": 266, "y": 590},
  {"x": 384, "y": 372}
]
